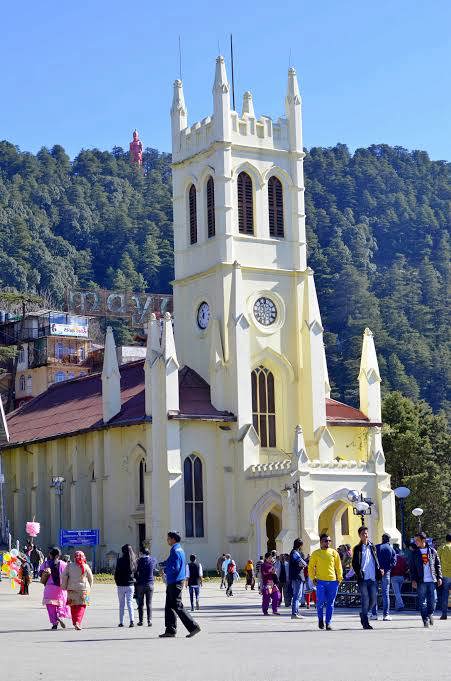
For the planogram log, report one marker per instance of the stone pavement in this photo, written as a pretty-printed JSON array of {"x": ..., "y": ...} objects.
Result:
[{"x": 236, "y": 644}]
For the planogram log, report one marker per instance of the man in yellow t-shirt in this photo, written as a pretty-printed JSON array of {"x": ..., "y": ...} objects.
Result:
[
  {"x": 444, "y": 554},
  {"x": 325, "y": 570}
]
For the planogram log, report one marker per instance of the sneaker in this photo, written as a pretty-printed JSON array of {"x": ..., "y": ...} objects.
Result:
[
  {"x": 132, "y": 624},
  {"x": 444, "y": 617},
  {"x": 321, "y": 624},
  {"x": 297, "y": 617},
  {"x": 54, "y": 627},
  {"x": 192, "y": 609},
  {"x": 120, "y": 625},
  {"x": 431, "y": 620},
  {"x": 373, "y": 617},
  {"x": 265, "y": 613},
  {"x": 328, "y": 627},
  {"x": 367, "y": 626},
  {"x": 140, "y": 624},
  {"x": 387, "y": 618},
  {"x": 77, "y": 626},
  {"x": 426, "y": 624},
  {"x": 166, "y": 634},
  {"x": 193, "y": 632},
  {"x": 149, "y": 623}
]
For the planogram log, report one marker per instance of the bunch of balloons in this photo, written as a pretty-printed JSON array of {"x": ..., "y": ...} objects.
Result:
[{"x": 11, "y": 566}]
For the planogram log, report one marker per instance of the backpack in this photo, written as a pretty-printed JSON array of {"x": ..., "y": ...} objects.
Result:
[{"x": 231, "y": 567}]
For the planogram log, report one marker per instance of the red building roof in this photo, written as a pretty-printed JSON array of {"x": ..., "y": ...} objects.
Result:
[{"x": 75, "y": 406}]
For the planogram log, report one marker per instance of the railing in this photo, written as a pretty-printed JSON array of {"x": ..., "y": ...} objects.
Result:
[{"x": 349, "y": 596}]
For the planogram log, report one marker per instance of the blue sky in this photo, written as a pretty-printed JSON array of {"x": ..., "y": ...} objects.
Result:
[{"x": 84, "y": 74}]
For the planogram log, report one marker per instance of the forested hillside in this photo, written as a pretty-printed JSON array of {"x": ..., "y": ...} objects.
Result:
[{"x": 378, "y": 235}]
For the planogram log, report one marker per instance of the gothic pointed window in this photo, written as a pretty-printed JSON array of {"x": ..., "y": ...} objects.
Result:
[
  {"x": 245, "y": 204},
  {"x": 22, "y": 383},
  {"x": 211, "y": 227},
  {"x": 264, "y": 406},
  {"x": 192, "y": 200},
  {"x": 194, "y": 497},
  {"x": 142, "y": 470},
  {"x": 275, "y": 207}
]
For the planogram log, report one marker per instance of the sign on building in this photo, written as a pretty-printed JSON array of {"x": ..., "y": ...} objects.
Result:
[
  {"x": 74, "y": 330},
  {"x": 80, "y": 537},
  {"x": 102, "y": 303}
]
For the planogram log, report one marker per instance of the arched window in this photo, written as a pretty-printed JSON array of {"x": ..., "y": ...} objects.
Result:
[
  {"x": 192, "y": 200},
  {"x": 142, "y": 470},
  {"x": 59, "y": 350},
  {"x": 194, "y": 497},
  {"x": 275, "y": 207},
  {"x": 22, "y": 382},
  {"x": 264, "y": 406},
  {"x": 245, "y": 204},
  {"x": 60, "y": 376},
  {"x": 29, "y": 385},
  {"x": 210, "y": 207},
  {"x": 22, "y": 355}
]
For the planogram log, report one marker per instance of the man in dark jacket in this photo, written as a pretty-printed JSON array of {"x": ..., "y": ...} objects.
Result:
[
  {"x": 387, "y": 560},
  {"x": 426, "y": 573},
  {"x": 175, "y": 571},
  {"x": 144, "y": 585},
  {"x": 368, "y": 572},
  {"x": 296, "y": 575}
]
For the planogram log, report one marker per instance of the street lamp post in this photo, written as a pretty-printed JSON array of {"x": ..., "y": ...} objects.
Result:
[
  {"x": 418, "y": 512},
  {"x": 361, "y": 505},
  {"x": 58, "y": 484},
  {"x": 402, "y": 493}
]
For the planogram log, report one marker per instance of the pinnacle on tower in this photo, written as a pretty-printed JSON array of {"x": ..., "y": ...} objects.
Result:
[
  {"x": 111, "y": 379},
  {"x": 179, "y": 113},
  {"x": 293, "y": 111},
  {"x": 248, "y": 105},
  {"x": 221, "y": 102},
  {"x": 370, "y": 379}
]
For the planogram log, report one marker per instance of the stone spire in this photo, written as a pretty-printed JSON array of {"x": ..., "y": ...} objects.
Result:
[
  {"x": 300, "y": 457},
  {"x": 171, "y": 364},
  {"x": 221, "y": 102},
  {"x": 293, "y": 111},
  {"x": 216, "y": 366},
  {"x": 248, "y": 105},
  {"x": 153, "y": 350},
  {"x": 111, "y": 379},
  {"x": 179, "y": 114},
  {"x": 370, "y": 380}
]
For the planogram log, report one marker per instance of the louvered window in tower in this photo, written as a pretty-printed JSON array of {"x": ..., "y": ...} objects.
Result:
[
  {"x": 264, "y": 406},
  {"x": 210, "y": 207},
  {"x": 192, "y": 215},
  {"x": 275, "y": 207},
  {"x": 245, "y": 204}
]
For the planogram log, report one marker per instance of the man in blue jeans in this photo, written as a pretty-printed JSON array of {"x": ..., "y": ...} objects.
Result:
[
  {"x": 444, "y": 553},
  {"x": 368, "y": 572},
  {"x": 426, "y": 573},
  {"x": 387, "y": 560},
  {"x": 296, "y": 575}
]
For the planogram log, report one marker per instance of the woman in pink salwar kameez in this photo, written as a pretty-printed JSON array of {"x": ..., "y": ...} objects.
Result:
[{"x": 55, "y": 598}]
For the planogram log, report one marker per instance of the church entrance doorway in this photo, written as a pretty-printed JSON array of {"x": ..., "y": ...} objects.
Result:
[
  {"x": 273, "y": 527},
  {"x": 338, "y": 521},
  {"x": 141, "y": 535}
]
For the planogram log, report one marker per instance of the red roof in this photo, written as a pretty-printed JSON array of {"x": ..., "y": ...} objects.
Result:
[
  {"x": 76, "y": 406},
  {"x": 339, "y": 414}
]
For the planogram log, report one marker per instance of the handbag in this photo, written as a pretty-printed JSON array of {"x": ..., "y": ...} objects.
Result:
[{"x": 45, "y": 577}]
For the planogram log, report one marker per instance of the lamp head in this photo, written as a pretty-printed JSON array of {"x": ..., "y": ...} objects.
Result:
[
  {"x": 402, "y": 492},
  {"x": 353, "y": 496},
  {"x": 417, "y": 512}
]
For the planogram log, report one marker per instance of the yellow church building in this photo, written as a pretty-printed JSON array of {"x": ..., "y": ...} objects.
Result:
[{"x": 226, "y": 432}]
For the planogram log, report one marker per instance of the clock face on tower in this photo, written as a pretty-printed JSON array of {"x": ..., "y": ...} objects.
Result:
[
  {"x": 265, "y": 311},
  {"x": 203, "y": 315}
]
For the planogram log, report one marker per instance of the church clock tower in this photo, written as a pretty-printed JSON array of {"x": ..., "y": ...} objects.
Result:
[{"x": 246, "y": 314}]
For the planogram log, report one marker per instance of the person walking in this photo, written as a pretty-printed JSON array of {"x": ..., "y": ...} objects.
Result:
[
  {"x": 230, "y": 576},
  {"x": 296, "y": 577},
  {"x": 250, "y": 575},
  {"x": 175, "y": 571},
  {"x": 36, "y": 559},
  {"x": 219, "y": 570},
  {"x": 124, "y": 576},
  {"x": 144, "y": 585},
  {"x": 54, "y": 597},
  {"x": 326, "y": 572},
  {"x": 426, "y": 574},
  {"x": 386, "y": 555},
  {"x": 284, "y": 580},
  {"x": 368, "y": 572},
  {"x": 270, "y": 590},
  {"x": 194, "y": 580},
  {"x": 398, "y": 574},
  {"x": 77, "y": 580},
  {"x": 444, "y": 553}
]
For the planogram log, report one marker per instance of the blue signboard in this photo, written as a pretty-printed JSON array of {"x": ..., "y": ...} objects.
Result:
[{"x": 80, "y": 537}]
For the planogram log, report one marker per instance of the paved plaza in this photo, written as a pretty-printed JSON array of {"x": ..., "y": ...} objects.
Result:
[{"x": 236, "y": 644}]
